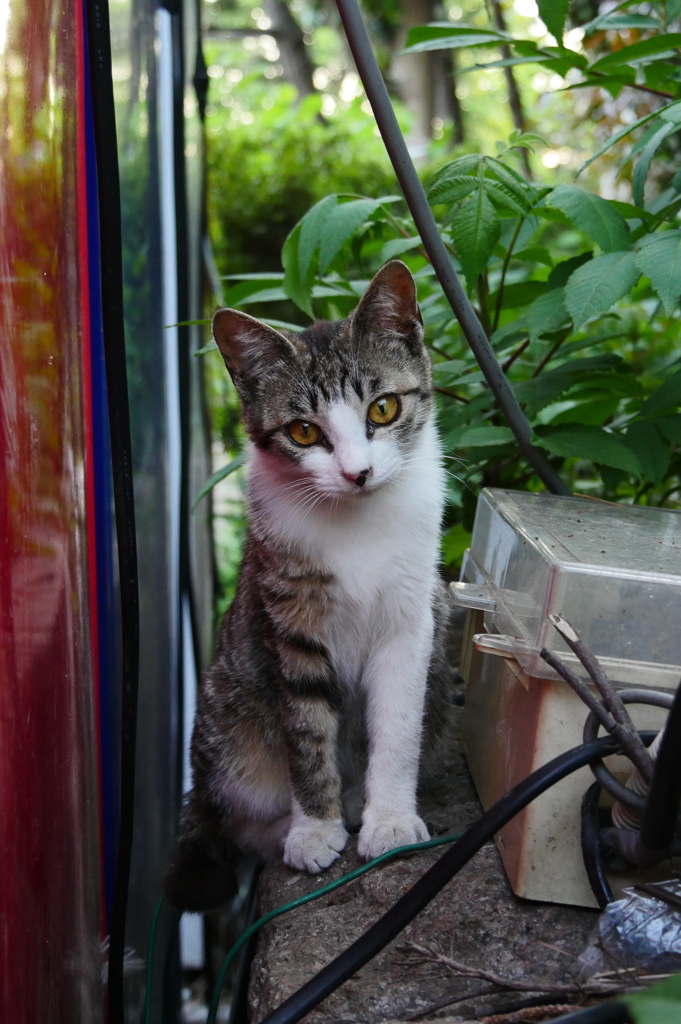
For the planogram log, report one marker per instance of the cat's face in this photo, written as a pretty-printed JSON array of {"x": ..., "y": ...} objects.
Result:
[{"x": 341, "y": 404}]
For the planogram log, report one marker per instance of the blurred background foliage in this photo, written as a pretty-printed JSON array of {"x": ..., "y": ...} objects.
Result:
[{"x": 543, "y": 91}]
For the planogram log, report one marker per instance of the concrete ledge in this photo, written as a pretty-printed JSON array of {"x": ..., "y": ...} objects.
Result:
[{"x": 475, "y": 920}]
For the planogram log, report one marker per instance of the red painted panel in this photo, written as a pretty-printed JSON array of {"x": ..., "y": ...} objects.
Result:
[{"x": 49, "y": 859}]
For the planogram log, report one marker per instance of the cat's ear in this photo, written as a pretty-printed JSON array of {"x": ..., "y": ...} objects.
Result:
[
  {"x": 389, "y": 304},
  {"x": 248, "y": 346}
]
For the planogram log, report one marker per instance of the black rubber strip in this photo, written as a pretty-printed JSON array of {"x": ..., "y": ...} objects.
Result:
[
  {"x": 664, "y": 796},
  {"x": 429, "y": 885},
  {"x": 111, "y": 269},
  {"x": 386, "y": 120},
  {"x": 591, "y": 847},
  {"x": 604, "y": 1013}
]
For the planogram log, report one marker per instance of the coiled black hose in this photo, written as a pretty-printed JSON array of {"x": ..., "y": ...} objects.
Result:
[
  {"x": 591, "y": 847},
  {"x": 664, "y": 795}
]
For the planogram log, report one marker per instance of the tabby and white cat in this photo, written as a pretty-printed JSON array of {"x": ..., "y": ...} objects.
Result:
[{"x": 311, "y": 717}]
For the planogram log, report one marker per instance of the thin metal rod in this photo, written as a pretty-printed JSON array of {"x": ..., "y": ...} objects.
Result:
[
  {"x": 624, "y": 729},
  {"x": 377, "y": 95}
]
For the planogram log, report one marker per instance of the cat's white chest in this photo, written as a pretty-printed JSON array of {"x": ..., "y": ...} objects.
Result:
[
  {"x": 384, "y": 557},
  {"x": 382, "y": 549}
]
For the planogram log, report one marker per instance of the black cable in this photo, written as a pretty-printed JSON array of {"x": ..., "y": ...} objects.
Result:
[
  {"x": 664, "y": 794},
  {"x": 609, "y": 782},
  {"x": 429, "y": 885},
  {"x": 377, "y": 95},
  {"x": 592, "y": 853},
  {"x": 108, "y": 186},
  {"x": 604, "y": 1013},
  {"x": 238, "y": 1007}
]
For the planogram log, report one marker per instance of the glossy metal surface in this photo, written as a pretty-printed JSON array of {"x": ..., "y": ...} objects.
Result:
[
  {"x": 49, "y": 817},
  {"x": 136, "y": 51}
]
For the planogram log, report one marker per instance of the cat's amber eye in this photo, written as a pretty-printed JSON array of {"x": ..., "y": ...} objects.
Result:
[
  {"x": 384, "y": 410},
  {"x": 302, "y": 432}
]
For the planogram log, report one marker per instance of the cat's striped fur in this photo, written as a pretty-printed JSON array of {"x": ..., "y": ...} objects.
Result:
[{"x": 315, "y": 700}]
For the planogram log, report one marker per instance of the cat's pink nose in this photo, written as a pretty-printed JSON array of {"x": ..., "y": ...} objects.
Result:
[{"x": 358, "y": 478}]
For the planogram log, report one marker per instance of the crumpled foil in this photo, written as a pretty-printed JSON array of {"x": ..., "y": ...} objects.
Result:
[{"x": 638, "y": 931}]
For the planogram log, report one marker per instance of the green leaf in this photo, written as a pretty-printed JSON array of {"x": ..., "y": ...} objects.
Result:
[
  {"x": 212, "y": 344},
  {"x": 312, "y": 228},
  {"x": 217, "y": 477},
  {"x": 237, "y": 293},
  {"x": 499, "y": 193},
  {"x": 285, "y": 324},
  {"x": 660, "y": 1004},
  {"x": 450, "y": 371},
  {"x": 618, "y": 22},
  {"x": 451, "y": 190},
  {"x": 597, "y": 285},
  {"x": 538, "y": 392},
  {"x": 592, "y": 215},
  {"x": 651, "y": 449},
  {"x": 670, "y": 427},
  {"x": 645, "y": 159},
  {"x": 553, "y": 14},
  {"x": 446, "y": 36},
  {"x": 534, "y": 254},
  {"x": 666, "y": 112},
  {"x": 482, "y": 436},
  {"x": 592, "y": 443},
  {"x": 462, "y": 165},
  {"x": 297, "y": 287},
  {"x": 667, "y": 396},
  {"x": 630, "y": 212},
  {"x": 264, "y": 295},
  {"x": 475, "y": 232},
  {"x": 520, "y": 293},
  {"x": 521, "y": 140},
  {"x": 671, "y": 113},
  {"x": 561, "y": 273},
  {"x": 341, "y": 224},
  {"x": 659, "y": 258},
  {"x": 269, "y": 275},
  {"x": 593, "y": 411},
  {"x": 638, "y": 51},
  {"x": 455, "y": 540},
  {"x": 509, "y": 178},
  {"x": 546, "y": 313},
  {"x": 396, "y": 246}
]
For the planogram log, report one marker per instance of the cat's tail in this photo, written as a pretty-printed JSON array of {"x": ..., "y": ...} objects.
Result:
[{"x": 202, "y": 871}]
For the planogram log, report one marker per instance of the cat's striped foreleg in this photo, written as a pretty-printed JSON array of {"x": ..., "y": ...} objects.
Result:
[{"x": 310, "y": 709}]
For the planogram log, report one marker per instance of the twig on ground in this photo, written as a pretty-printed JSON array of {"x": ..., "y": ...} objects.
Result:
[{"x": 613, "y": 983}]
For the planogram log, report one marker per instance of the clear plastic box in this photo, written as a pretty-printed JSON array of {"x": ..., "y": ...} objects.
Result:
[{"x": 613, "y": 571}]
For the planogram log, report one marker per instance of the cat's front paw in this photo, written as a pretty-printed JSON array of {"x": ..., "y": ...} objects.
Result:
[
  {"x": 385, "y": 834},
  {"x": 313, "y": 845}
]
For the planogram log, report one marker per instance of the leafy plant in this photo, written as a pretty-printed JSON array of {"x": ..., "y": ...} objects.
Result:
[
  {"x": 660, "y": 1004},
  {"x": 579, "y": 293}
]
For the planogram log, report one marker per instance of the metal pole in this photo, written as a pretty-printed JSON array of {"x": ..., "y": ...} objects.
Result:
[{"x": 377, "y": 95}]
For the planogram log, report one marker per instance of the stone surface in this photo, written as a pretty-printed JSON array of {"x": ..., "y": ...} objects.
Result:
[{"x": 475, "y": 919}]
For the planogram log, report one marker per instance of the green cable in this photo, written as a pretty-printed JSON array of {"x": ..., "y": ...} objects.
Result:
[
  {"x": 257, "y": 925},
  {"x": 151, "y": 942}
]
